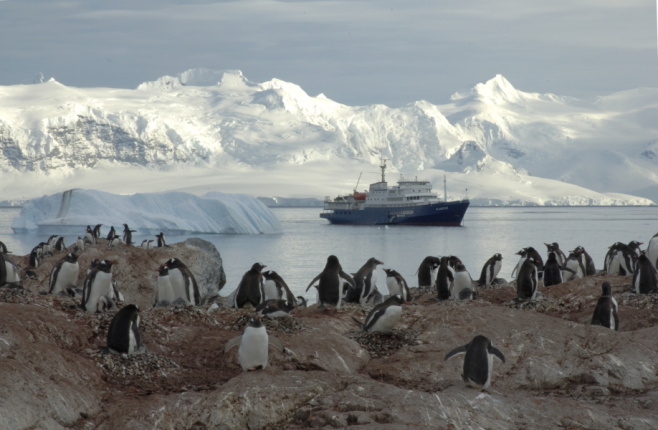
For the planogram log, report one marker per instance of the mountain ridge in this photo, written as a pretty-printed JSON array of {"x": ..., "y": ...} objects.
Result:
[{"x": 220, "y": 123}]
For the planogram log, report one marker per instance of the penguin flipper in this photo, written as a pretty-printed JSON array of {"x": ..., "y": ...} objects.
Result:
[
  {"x": 233, "y": 342},
  {"x": 348, "y": 278},
  {"x": 275, "y": 342},
  {"x": 313, "y": 281},
  {"x": 456, "y": 351},
  {"x": 495, "y": 351}
]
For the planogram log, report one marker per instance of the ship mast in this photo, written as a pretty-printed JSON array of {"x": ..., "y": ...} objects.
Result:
[
  {"x": 382, "y": 166},
  {"x": 445, "y": 189}
]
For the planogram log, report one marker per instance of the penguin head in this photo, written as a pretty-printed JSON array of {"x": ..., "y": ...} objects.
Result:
[
  {"x": 72, "y": 257},
  {"x": 498, "y": 256},
  {"x": 257, "y": 267},
  {"x": 254, "y": 322},
  {"x": 163, "y": 270},
  {"x": 606, "y": 289}
]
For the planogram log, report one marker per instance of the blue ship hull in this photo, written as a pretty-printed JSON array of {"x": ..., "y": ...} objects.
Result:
[{"x": 442, "y": 213}]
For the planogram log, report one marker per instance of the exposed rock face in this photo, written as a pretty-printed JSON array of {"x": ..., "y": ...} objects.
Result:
[{"x": 560, "y": 372}]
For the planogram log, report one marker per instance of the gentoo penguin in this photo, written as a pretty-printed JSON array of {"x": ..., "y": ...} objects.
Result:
[
  {"x": 384, "y": 316},
  {"x": 527, "y": 280},
  {"x": 51, "y": 242},
  {"x": 64, "y": 274},
  {"x": 161, "y": 242},
  {"x": 127, "y": 235},
  {"x": 620, "y": 259},
  {"x": 634, "y": 246},
  {"x": 463, "y": 284},
  {"x": 80, "y": 244},
  {"x": 301, "y": 302},
  {"x": 164, "y": 292},
  {"x": 35, "y": 257},
  {"x": 59, "y": 244},
  {"x": 250, "y": 288},
  {"x": 275, "y": 287},
  {"x": 147, "y": 244},
  {"x": 89, "y": 236},
  {"x": 331, "y": 283},
  {"x": 183, "y": 282},
  {"x": 644, "y": 277},
  {"x": 116, "y": 240},
  {"x": 490, "y": 270},
  {"x": 9, "y": 274},
  {"x": 274, "y": 308},
  {"x": 652, "y": 250},
  {"x": 559, "y": 255},
  {"x": 478, "y": 361},
  {"x": 397, "y": 285},
  {"x": 366, "y": 281},
  {"x": 112, "y": 233},
  {"x": 586, "y": 261},
  {"x": 123, "y": 335},
  {"x": 573, "y": 268},
  {"x": 444, "y": 279},
  {"x": 97, "y": 232},
  {"x": 605, "y": 312},
  {"x": 427, "y": 272},
  {"x": 536, "y": 258},
  {"x": 552, "y": 270},
  {"x": 98, "y": 291},
  {"x": 254, "y": 343}
]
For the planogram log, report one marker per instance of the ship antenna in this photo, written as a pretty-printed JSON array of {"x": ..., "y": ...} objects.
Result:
[
  {"x": 383, "y": 167},
  {"x": 445, "y": 189},
  {"x": 357, "y": 182}
]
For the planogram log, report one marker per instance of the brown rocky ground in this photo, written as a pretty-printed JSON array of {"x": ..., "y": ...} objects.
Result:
[{"x": 560, "y": 372}]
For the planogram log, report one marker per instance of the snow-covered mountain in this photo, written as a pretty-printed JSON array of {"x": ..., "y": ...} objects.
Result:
[{"x": 215, "y": 130}]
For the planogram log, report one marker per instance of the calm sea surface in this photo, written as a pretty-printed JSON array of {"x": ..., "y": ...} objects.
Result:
[{"x": 299, "y": 253}]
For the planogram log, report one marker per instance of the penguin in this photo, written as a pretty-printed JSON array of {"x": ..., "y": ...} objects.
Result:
[
  {"x": 644, "y": 277},
  {"x": 573, "y": 268},
  {"x": 254, "y": 343},
  {"x": 536, "y": 258},
  {"x": 586, "y": 261},
  {"x": 127, "y": 235},
  {"x": 80, "y": 244},
  {"x": 97, "y": 232},
  {"x": 366, "y": 281},
  {"x": 634, "y": 246},
  {"x": 116, "y": 240},
  {"x": 427, "y": 272},
  {"x": 275, "y": 287},
  {"x": 59, "y": 244},
  {"x": 552, "y": 270},
  {"x": 478, "y": 361},
  {"x": 397, "y": 285},
  {"x": 652, "y": 250},
  {"x": 331, "y": 283},
  {"x": 384, "y": 316},
  {"x": 463, "y": 283},
  {"x": 620, "y": 259},
  {"x": 274, "y": 308},
  {"x": 98, "y": 291},
  {"x": 444, "y": 279},
  {"x": 11, "y": 273},
  {"x": 301, "y": 302},
  {"x": 123, "y": 335},
  {"x": 89, "y": 236},
  {"x": 112, "y": 233},
  {"x": 161, "y": 242},
  {"x": 250, "y": 289},
  {"x": 35, "y": 257},
  {"x": 560, "y": 257},
  {"x": 164, "y": 291},
  {"x": 51, "y": 242},
  {"x": 605, "y": 312},
  {"x": 183, "y": 282},
  {"x": 490, "y": 270},
  {"x": 147, "y": 244},
  {"x": 527, "y": 280},
  {"x": 64, "y": 274}
]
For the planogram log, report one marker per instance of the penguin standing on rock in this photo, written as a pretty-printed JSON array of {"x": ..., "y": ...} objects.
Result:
[
  {"x": 64, "y": 274},
  {"x": 427, "y": 272},
  {"x": 89, "y": 236},
  {"x": 250, "y": 289},
  {"x": 97, "y": 232},
  {"x": 161, "y": 242},
  {"x": 478, "y": 361},
  {"x": 366, "y": 281},
  {"x": 164, "y": 292},
  {"x": 554, "y": 247},
  {"x": 397, "y": 285},
  {"x": 552, "y": 270},
  {"x": 605, "y": 312},
  {"x": 123, "y": 335},
  {"x": 127, "y": 235},
  {"x": 463, "y": 285},
  {"x": 275, "y": 288},
  {"x": 527, "y": 280},
  {"x": 586, "y": 261},
  {"x": 573, "y": 268},
  {"x": 444, "y": 279},
  {"x": 331, "y": 283},
  {"x": 183, "y": 282},
  {"x": 254, "y": 344},
  {"x": 98, "y": 291},
  {"x": 644, "y": 277},
  {"x": 59, "y": 244},
  {"x": 490, "y": 270},
  {"x": 111, "y": 234}
]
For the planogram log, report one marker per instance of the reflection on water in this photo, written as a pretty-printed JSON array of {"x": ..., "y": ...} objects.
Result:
[{"x": 300, "y": 252}]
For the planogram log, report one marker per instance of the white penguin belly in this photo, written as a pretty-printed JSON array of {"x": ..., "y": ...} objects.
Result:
[
  {"x": 271, "y": 292},
  {"x": 178, "y": 284},
  {"x": 253, "y": 348},
  {"x": 387, "y": 321},
  {"x": 12, "y": 273},
  {"x": 165, "y": 291},
  {"x": 393, "y": 287},
  {"x": 67, "y": 276},
  {"x": 100, "y": 288},
  {"x": 462, "y": 281}
]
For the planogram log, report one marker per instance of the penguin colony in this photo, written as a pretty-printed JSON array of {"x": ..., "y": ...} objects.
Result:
[{"x": 271, "y": 297}]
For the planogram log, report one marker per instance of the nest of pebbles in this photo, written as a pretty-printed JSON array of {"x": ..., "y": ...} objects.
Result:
[
  {"x": 124, "y": 369},
  {"x": 384, "y": 344}
]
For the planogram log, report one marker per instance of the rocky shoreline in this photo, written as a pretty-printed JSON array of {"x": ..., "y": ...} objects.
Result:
[{"x": 560, "y": 371}]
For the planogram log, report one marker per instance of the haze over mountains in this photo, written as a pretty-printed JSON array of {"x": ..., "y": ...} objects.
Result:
[{"x": 215, "y": 130}]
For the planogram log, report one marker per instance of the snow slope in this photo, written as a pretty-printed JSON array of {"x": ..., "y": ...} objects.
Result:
[{"x": 216, "y": 130}]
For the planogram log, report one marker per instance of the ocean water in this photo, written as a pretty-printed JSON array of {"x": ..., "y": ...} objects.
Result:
[{"x": 299, "y": 253}]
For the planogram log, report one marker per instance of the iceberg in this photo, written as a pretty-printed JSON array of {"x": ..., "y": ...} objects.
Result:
[{"x": 70, "y": 212}]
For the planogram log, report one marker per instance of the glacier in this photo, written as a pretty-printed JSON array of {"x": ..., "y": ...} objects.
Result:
[{"x": 70, "y": 212}]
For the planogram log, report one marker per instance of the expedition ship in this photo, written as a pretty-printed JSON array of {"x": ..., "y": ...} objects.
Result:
[{"x": 410, "y": 202}]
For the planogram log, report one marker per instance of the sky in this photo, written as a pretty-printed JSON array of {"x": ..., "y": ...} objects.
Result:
[{"x": 356, "y": 52}]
